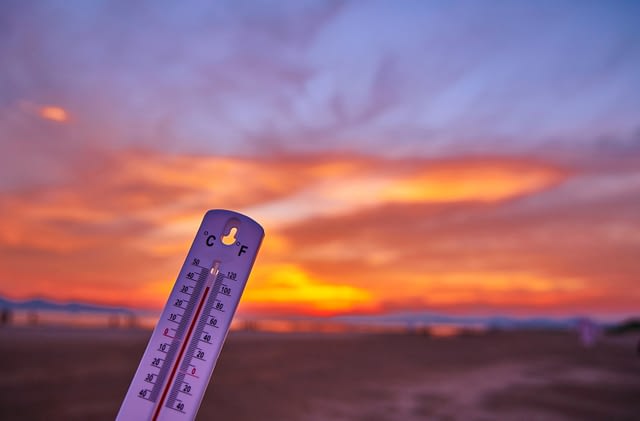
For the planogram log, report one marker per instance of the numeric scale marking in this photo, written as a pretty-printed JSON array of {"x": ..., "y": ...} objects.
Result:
[{"x": 176, "y": 367}]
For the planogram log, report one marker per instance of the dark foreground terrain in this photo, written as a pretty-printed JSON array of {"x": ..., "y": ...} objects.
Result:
[{"x": 61, "y": 374}]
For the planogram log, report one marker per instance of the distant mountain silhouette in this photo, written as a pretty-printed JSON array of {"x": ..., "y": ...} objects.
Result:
[
  {"x": 401, "y": 319},
  {"x": 46, "y": 305},
  {"x": 491, "y": 322}
]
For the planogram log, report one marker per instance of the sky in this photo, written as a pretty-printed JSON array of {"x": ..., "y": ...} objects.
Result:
[{"x": 455, "y": 157}]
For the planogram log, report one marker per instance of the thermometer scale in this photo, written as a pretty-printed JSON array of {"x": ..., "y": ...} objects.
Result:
[{"x": 176, "y": 367}]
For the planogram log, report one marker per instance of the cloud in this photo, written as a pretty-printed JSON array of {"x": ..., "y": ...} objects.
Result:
[
  {"x": 353, "y": 147},
  {"x": 126, "y": 217},
  {"x": 147, "y": 204},
  {"x": 257, "y": 80},
  {"x": 345, "y": 233},
  {"x": 54, "y": 113},
  {"x": 375, "y": 182},
  {"x": 568, "y": 248}
]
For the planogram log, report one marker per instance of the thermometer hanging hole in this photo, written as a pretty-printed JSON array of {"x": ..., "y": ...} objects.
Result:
[{"x": 230, "y": 237}]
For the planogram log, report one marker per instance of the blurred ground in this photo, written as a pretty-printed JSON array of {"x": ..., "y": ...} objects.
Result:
[{"x": 84, "y": 374}]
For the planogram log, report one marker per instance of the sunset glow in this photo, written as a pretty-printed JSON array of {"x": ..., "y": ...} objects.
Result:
[
  {"x": 288, "y": 286},
  {"x": 417, "y": 170}
]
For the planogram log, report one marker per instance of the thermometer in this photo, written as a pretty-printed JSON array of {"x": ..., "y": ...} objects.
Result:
[{"x": 176, "y": 367}]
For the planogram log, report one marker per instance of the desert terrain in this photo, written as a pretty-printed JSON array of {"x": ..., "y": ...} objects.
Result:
[{"x": 83, "y": 374}]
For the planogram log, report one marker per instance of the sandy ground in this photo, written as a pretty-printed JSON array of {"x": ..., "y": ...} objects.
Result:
[{"x": 58, "y": 374}]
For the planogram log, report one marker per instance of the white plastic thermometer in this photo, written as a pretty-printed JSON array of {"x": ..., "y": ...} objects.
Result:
[{"x": 184, "y": 347}]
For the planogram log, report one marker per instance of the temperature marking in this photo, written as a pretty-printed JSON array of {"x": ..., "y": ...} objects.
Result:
[
  {"x": 178, "y": 336},
  {"x": 183, "y": 350}
]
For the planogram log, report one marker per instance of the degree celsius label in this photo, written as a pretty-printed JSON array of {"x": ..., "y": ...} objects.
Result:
[{"x": 176, "y": 367}]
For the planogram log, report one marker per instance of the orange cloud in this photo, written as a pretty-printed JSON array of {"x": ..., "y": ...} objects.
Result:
[
  {"x": 127, "y": 215},
  {"x": 476, "y": 180},
  {"x": 494, "y": 287},
  {"x": 553, "y": 252},
  {"x": 344, "y": 189},
  {"x": 54, "y": 113},
  {"x": 344, "y": 233}
]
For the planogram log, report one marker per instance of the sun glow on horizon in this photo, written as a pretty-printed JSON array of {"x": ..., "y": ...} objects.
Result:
[{"x": 286, "y": 286}]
